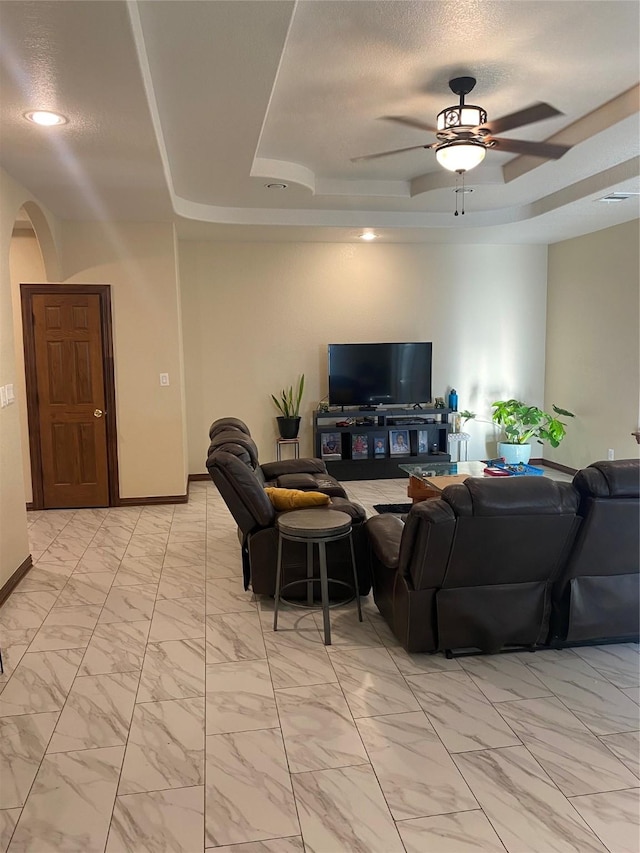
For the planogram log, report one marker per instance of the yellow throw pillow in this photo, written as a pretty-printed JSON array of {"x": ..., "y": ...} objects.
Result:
[{"x": 295, "y": 498}]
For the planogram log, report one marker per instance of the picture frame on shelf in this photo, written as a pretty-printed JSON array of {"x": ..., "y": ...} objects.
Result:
[
  {"x": 399, "y": 439},
  {"x": 379, "y": 442},
  {"x": 423, "y": 441},
  {"x": 359, "y": 446},
  {"x": 331, "y": 445}
]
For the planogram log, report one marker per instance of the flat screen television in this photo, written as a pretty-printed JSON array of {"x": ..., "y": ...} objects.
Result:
[{"x": 379, "y": 374}]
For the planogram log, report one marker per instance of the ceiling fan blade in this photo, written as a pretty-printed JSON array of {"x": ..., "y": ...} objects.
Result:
[
  {"x": 536, "y": 112},
  {"x": 548, "y": 150},
  {"x": 411, "y": 122},
  {"x": 387, "y": 153}
]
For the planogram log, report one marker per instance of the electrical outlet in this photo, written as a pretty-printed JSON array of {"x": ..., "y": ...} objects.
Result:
[
  {"x": 610, "y": 454},
  {"x": 164, "y": 378}
]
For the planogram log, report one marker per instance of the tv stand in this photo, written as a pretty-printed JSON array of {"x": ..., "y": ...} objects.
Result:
[{"x": 352, "y": 455}]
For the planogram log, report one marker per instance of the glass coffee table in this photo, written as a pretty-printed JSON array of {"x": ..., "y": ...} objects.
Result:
[{"x": 428, "y": 479}]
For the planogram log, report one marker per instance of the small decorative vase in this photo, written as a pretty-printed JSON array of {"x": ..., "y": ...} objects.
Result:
[
  {"x": 288, "y": 427},
  {"x": 513, "y": 454}
]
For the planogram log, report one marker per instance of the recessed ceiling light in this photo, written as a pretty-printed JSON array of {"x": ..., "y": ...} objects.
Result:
[
  {"x": 45, "y": 118},
  {"x": 368, "y": 235},
  {"x": 276, "y": 186}
]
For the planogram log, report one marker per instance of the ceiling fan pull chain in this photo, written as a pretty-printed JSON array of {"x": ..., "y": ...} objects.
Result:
[{"x": 460, "y": 190}]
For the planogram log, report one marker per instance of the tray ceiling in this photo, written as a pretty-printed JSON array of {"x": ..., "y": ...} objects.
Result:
[{"x": 185, "y": 111}]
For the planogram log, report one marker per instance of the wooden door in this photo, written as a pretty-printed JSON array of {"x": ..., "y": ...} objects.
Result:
[{"x": 68, "y": 408}]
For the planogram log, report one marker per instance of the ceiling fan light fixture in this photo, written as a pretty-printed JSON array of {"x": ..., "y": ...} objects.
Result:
[
  {"x": 464, "y": 134},
  {"x": 463, "y": 115},
  {"x": 460, "y": 156}
]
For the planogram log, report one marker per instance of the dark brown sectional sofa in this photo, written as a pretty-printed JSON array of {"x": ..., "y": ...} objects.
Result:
[{"x": 513, "y": 562}]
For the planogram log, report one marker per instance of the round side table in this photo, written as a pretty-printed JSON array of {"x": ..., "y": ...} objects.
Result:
[{"x": 315, "y": 527}]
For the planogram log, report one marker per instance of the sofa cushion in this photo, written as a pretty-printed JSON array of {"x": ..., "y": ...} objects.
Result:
[
  {"x": 619, "y": 479},
  {"x": 273, "y": 470},
  {"x": 310, "y": 482},
  {"x": 530, "y": 496},
  {"x": 304, "y": 482},
  {"x": 295, "y": 498},
  {"x": 226, "y": 424},
  {"x": 237, "y": 443}
]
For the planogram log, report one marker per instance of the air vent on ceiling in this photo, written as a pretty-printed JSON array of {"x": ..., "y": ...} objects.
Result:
[{"x": 617, "y": 197}]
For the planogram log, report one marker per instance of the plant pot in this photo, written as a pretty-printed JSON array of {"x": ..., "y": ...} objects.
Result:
[
  {"x": 288, "y": 427},
  {"x": 513, "y": 454}
]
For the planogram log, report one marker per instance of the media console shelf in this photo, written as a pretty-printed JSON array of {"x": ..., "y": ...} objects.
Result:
[{"x": 349, "y": 452}]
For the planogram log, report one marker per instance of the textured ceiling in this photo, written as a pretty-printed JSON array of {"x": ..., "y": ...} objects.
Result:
[{"x": 186, "y": 110}]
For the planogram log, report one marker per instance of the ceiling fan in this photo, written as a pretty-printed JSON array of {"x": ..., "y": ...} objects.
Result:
[{"x": 464, "y": 134}]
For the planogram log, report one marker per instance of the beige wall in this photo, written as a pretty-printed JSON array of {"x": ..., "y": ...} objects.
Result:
[
  {"x": 256, "y": 315},
  {"x": 26, "y": 267},
  {"x": 139, "y": 261},
  {"x": 239, "y": 321},
  {"x": 14, "y": 546},
  {"x": 593, "y": 343}
]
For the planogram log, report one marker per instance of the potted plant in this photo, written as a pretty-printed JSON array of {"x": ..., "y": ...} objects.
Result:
[
  {"x": 289, "y": 404},
  {"x": 521, "y": 423}
]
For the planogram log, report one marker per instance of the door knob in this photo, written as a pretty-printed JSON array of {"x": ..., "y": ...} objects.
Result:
[{"x": 98, "y": 413}]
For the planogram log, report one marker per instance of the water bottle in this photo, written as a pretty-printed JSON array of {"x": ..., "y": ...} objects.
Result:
[{"x": 453, "y": 400}]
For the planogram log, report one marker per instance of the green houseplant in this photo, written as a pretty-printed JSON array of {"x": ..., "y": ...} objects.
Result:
[
  {"x": 289, "y": 405},
  {"x": 521, "y": 423}
]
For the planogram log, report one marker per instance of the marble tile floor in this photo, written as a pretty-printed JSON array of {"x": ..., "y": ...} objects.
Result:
[{"x": 147, "y": 705}]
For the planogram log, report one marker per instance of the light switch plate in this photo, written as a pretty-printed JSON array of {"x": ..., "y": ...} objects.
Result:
[
  {"x": 10, "y": 395},
  {"x": 3, "y": 396}
]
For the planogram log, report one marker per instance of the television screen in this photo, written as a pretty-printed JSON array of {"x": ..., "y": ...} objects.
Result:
[{"x": 379, "y": 374}]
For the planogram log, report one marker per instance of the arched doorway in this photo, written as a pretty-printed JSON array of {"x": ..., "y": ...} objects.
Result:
[
  {"x": 64, "y": 347},
  {"x": 27, "y": 264}
]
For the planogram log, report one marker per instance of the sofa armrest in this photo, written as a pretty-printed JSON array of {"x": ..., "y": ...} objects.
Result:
[
  {"x": 353, "y": 509},
  {"x": 273, "y": 470},
  {"x": 429, "y": 531},
  {"x": 385, "y": 534}
]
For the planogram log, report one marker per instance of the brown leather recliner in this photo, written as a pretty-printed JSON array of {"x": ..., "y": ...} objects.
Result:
[
  {"x": 598, "y": 594},
  {"x": 232, "y": 463},
  {"x": 255, "y": 516},
  {"x": 474, "y": 569},
  {"x": 232, "y": 435}
]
